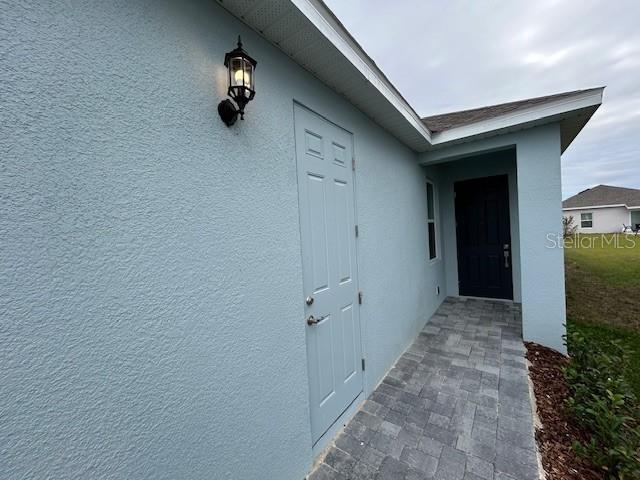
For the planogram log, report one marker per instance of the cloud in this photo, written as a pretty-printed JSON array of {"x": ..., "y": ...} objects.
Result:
[
  {"x": 545, "y": 60},
  {"x": 481, "y": 53}
]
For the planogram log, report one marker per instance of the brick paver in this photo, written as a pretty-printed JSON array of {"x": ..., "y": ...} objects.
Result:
[{"x": 455, "y": 406}]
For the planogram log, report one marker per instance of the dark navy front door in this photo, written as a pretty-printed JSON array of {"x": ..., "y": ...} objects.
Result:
[{"x": 484, "y": 237}]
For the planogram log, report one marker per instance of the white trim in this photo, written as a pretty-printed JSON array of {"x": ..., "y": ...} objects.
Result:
[
  {"x": 435, "y": 220},
  {"x": 582, "y": 220},
  {"x": 470, "y": 149},
  {"x": 322, "y": 18},
  {"x": 591, "y": 207},
  {"x": 416, "y": 134},
  {"x": 631, "y": 218},
  {"x": 556, "y": 110}
]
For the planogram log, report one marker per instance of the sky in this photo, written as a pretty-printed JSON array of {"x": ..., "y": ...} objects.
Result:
[{"x": 448, "y": 55}]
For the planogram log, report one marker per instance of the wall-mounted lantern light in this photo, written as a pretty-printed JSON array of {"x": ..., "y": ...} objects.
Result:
[{"x": 240, "y": 67}]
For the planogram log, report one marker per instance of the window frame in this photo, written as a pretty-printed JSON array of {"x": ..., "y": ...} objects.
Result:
[
  {"x": 583, "y": 220},
  {"x": 631, "y": 217},
  {"x": 432, "y": 220}
]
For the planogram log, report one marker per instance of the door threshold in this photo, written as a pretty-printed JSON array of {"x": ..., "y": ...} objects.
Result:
[{"x": 501, "y": 300}]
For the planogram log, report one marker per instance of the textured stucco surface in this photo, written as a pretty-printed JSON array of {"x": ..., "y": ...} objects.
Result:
[
  {"x": 151, "y": 305},
  {"x": 398, "y": 281},
  {"x": 542, "y": 261}
]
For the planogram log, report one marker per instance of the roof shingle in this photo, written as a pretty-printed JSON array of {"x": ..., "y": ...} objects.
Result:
[
  {"x": 604, "y": 195},
  {"x": 446, "y": 121}
]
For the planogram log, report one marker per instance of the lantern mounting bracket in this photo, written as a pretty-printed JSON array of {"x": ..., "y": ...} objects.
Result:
[{"x": 228, "y": 112}]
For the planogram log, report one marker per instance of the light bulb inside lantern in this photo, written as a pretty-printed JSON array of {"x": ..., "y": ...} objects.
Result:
[{"x": 238, "y": 77}]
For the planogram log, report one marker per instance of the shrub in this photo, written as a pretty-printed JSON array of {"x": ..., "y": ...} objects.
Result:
[
  {"x": 568, "y": 227},
  {"x": 602, "y": 401}
]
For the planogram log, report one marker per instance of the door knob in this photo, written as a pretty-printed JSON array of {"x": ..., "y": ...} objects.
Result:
[{"x": 314, "y": 321}]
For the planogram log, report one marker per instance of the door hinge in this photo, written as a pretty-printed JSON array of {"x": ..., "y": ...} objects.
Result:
[
  {"x": 353, "y": 164},
  {"x": 357, "y": 233},
  {"x": 360, "y": 298},
  {"x": 363, "y": 364}
]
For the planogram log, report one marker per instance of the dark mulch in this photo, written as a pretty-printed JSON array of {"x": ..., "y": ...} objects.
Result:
[{"x": 558, "y": 428}]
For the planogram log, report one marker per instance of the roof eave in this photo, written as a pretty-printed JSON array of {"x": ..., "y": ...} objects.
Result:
[
  {"x": 572, "y": 113},
  {"x": 361, "y": 82},
  {"x": 358, "y": 79},
  {"x": 593, "y": 207},
  {"x": 324, "y": 20}
]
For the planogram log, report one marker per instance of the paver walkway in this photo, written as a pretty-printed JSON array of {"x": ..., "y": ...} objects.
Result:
[{"x": 455, "y": 406}]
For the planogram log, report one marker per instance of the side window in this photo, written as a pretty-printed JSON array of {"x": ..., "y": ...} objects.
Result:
[
  {"x": 586, "y": 220},
  {"x": 431, "y": 221}
]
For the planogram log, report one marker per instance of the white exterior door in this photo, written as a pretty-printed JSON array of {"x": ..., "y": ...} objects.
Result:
[{"x": 325, "y": 185}]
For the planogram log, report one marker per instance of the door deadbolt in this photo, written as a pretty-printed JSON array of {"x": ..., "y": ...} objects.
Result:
[{"x": 309, "y": 300}]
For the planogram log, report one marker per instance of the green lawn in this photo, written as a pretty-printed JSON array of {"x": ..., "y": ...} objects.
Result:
[
  {"x": 613, "y": 258},
  {"x": 603, "y": 291}
]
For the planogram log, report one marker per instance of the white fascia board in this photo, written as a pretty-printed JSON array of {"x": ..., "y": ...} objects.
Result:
[
  {"x": 593, "y": 207},
  {"x": 535, "y": 115},
  {"x": 467, "y": 149},
  {"x": 317, "y": 13}
]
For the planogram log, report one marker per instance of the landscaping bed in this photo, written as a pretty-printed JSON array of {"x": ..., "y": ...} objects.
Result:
[
  {"x": 588, "y": 402},
  {"x": 559, "y": 430},
  {"x": 603, "y": 292}
]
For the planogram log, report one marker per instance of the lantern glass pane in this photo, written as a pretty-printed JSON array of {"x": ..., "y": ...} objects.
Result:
[
  {"x": 236, "y": 72},
  {"x": 248, "y": 75}
]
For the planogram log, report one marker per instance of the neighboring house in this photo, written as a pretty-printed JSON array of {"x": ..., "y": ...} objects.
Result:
[
  {"x": 183, "y": 299},
  {"x": 604, "y": 209}
]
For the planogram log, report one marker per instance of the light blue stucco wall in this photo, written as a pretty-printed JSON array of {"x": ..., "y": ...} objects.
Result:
[
  {"x": 536, "y": 223},
  {"x": 397, "y": 279},
  {"x": 540, "y": 200},
  {"x": 151, "y": 296}
]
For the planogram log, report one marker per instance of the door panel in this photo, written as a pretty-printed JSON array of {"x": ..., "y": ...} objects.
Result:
[
  {"x": 349, "y": 336},
  {"x": 316, "y": 200},
  {"x": 344, "y": 229},
  {"x": 327, "y": 228},
  {"x": 483, "y": 236},
  {"x": 322, "y": 356}
]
